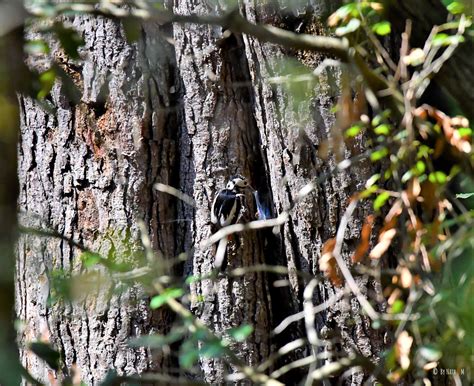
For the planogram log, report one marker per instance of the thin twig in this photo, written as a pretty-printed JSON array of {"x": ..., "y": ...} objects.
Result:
[
  {"x": 342, "y": 265},
  {"x": 300, "y": 315}
]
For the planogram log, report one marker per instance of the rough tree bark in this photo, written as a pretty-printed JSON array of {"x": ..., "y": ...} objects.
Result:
[
  {"x": 87, "y": 172},
  {"x": 188, "y": 115}
]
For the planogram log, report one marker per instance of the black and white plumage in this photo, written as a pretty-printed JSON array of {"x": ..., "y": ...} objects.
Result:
[{"x": 228, "y": 202}]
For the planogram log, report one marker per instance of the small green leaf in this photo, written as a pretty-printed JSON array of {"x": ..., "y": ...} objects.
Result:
[
  {"x": 397, "y": 306},
  {"x": 407, "y": 175},
  {"x": 46, "y": 353},
  {"x": 424, "y": 151},
  {"x": 35, "y": 47},
  {"x": 200, "y": 298},
  {"x": 189, "y": 354},
  {"x": 430, "y": 353},
  {"x": 377, "y": 120},
  {"x": 382, "y": 129},
  {"x": 420, "y": 167},
  {"x": 443, "y": 39},
  {"x": 69, "y": 39},
  {"x": 382, "y": 28},
  {"x": 372, "y": 180},
  {"x": 350, "y": 27},
  {"x": 192, "y": 279},
  {"x": 368, "y": 192},
  {"x": 90, "y": 259},
  {"x": 379, "y": 154},
  {"x": 465, "y": 131},
  {"x": 212, "y": 349},
  {"x": 455, "y": 7},
  {"x": 380, "y": 200},
  {"x": 343, "y": 13},
  {"x": 169, "y": 293},
  {"x": 438, "y": 177},
  {"x": 353, "y": 131},
  {"x": 240, "y": 333},
  {"x": 46, "y": 79}
]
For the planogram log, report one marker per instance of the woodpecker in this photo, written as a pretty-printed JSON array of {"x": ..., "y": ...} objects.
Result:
[{"x": 228, "y": 202}]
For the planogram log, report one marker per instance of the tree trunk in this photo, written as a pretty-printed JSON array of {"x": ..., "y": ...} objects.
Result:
[
  {"x": 87, "y": 172},
  {"x": 189, "y": 116}
]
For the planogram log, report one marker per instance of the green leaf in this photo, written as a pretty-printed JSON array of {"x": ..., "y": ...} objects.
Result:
[
  {"x": 240, "y": 333},
  {"x": 372, "y": 180},
  {"x": 382, "y": 129},
  {"x": 443, "y": 39},
  {"x": 455, "y": 7},
  {"x": 35, "y": 47},
  {"x": 464, "y": 195},
  {"x": 90, "y": 259},
  {"x": 369, "y": 191},
  {"x": 465, "y": 131},
  {"x": 169, "y": 293},
  {"x": 380, "y": 200},
  {"x": 343, "y": 13},
  {"x": 420, "y": 167},
  {"x": 397, "y": 306},
  {"x": 189, "y": 354},
  {"x": 192, "y": 279},
  {"x": 438, "y": 177},
  {"x": 350, "y": 27},
  {"x": 407, "y": 175},
  {"x": 69, "y": 39},
  {"x": 430, "y": 353},
  {"x": 46, "y": 353},
  {"x": 377, "y": 120},
  {"x": 46, "y": 79},
  {"x": 382, "y": 28},
  {"x": 379, "y": 154},
  {"x": 353, "y": 131},
  {"x": 424, "y": 151},
  {"x": 212, "y": 349}
]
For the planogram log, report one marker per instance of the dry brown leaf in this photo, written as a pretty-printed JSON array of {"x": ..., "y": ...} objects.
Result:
[
  {"x": 453, "y": 136},
  {"x": 328, "y": 264},
  {"x": 449, "y": 125},
  {"x": 396, "y": 293},
  {"x": 395, "y": 211},
  {"x": 364, "y": 243},
  {"x": 406, "y": 278},
  {"x": 413, "y": 190},
  {"x": 384, "y": 241},
  {"x": 403, "y": 348}
]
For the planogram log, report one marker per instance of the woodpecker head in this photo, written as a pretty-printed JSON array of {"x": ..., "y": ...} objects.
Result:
[{"x": 237, "y": 183}]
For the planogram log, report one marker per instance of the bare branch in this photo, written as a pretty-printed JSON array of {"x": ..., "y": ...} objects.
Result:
[
  {"x": 300, "y": 315},
  {"x": 175, "y": 192}
]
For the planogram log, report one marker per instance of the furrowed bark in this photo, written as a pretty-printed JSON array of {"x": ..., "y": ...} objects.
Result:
[{"x": 87, "y": 172}]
